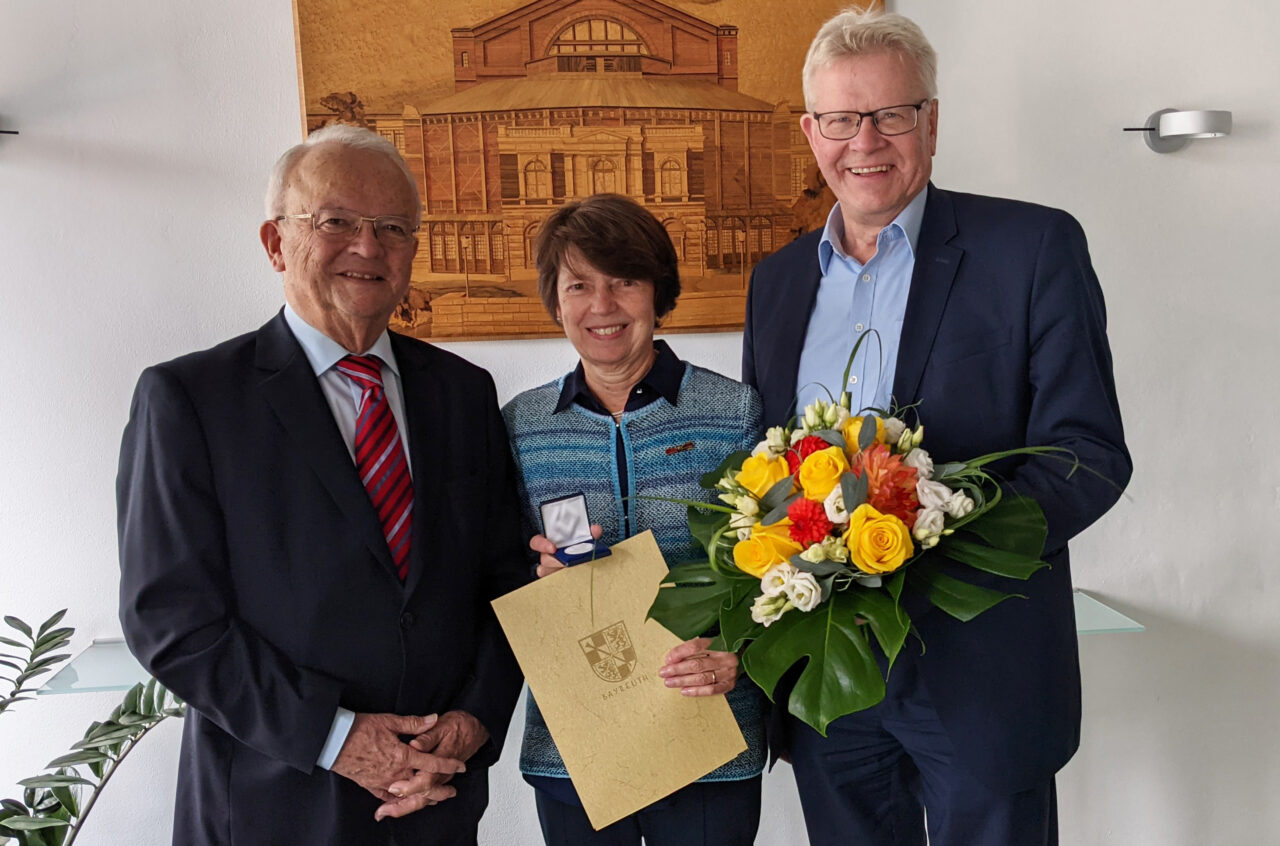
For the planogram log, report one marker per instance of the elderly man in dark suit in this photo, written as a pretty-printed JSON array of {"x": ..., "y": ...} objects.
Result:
[
  {"x": 313, "y": 518},
  {"x": 989, "y": 320}
]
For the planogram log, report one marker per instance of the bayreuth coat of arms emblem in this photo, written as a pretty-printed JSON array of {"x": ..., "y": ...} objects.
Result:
[{"x": 610, "y": 653}]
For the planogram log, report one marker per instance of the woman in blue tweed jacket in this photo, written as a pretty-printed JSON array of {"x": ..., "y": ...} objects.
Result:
[{"x": 632, "y": 420}]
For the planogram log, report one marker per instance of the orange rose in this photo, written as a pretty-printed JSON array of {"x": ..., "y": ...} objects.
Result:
[{"x": 878, "y": 543}]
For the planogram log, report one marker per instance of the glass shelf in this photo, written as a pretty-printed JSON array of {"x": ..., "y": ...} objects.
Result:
[
  {"x": 1092, "y": 617},
  {"x": 105, "y": 664}
]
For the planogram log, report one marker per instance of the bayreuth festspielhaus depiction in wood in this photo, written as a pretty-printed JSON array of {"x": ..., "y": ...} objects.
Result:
[{"x": 559, "y": 99}]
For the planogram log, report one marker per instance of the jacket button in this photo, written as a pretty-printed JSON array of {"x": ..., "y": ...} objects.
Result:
[{"x": 406, "y": 620}]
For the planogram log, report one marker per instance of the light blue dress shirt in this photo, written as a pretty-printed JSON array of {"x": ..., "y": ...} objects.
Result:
[
  {"x": 343, "y": 396},
  {"x": 854, "y": 298}
]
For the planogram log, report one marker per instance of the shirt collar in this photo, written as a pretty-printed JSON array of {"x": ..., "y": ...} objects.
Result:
[
  {"x": 663, "y": 380},
  {"x": 324, "y": 352},
  {"x": 907, "y": 224}
]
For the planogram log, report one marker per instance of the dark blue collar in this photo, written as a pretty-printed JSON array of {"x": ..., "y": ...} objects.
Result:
[{"x": 662, "y": 380}]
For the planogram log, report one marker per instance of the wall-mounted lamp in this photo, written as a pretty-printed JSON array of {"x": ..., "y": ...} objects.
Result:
[{"x": 1170, "y": 129}]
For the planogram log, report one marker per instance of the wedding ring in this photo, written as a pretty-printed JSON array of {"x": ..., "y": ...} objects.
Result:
[{"x": 713, "y": 676}]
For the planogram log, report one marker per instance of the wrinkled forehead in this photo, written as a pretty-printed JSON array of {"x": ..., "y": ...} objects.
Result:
[{"x": 337, "y": 176}]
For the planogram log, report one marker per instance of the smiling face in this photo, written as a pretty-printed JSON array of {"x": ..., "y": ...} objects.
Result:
[
  {"x": 609, "y": 321},
  {"x": 346, "y": 289},
  {"x": 874, "y": 177}
]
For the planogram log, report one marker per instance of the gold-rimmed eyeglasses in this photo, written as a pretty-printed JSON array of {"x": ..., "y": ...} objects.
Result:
[
  {"x": 344, "y": 225},
  {"x": 891, "y": 120}
]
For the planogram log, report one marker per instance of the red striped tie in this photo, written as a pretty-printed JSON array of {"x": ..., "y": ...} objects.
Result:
[{"x": 380, "y": 457}]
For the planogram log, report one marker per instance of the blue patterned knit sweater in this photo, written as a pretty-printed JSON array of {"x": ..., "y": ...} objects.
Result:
[{"x": 667, "y": 448}]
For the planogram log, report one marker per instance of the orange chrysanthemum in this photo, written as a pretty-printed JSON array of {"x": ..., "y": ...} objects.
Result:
[{"x": 891, "y": 485}]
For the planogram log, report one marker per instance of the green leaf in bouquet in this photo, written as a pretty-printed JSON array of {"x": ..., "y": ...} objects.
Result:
[
  {"x": 888, "y": 622},
  {"x": 831, "y": 436},
  {"x": 1016, "y": 523},
  {"x": 853, "y": 488},
  {"x": 867, "y": 432},
  {"x": 736, "y": 625},
  {"x": 688, "y": 611},
  {"x": 841, "y": 675},
  {"x": 780, "y": 512},
  {"x": 999, "y": 562},
  {"x": 944, "y": 471},
  {"x": 704, "y": 525},
  {"x": 820, "y": 569},
  {"x": 959, "y": 599},
  {"x": 732, "y": 462},
  {"x": 777, "y": 495}
]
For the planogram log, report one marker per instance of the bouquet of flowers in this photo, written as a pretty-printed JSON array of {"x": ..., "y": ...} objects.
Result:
[{"x": 822, "y": 525}]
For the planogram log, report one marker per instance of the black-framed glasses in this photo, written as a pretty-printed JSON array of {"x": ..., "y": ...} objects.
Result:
[
  {"x": 891, "y": 120},
  {"x": 344, "y": 225}
]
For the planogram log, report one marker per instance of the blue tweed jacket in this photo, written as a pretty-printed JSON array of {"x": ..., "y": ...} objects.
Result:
[{"x": 666, "y": 449}]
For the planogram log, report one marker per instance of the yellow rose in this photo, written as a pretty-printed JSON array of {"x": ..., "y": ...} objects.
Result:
[
  {"x": 820, "y": 472},
  {"x": 760, "y": 472},
  {"x": 767, "y": 546},
  {"x": 878, "y": 543},
  {"x": 854, "y": 427}
]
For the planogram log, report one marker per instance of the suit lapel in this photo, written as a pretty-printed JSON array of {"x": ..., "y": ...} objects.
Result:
[
  {"x": 794, "y": 308},
  {"x": 294, "y": 394},
  {"x": 935, "y": 271}
]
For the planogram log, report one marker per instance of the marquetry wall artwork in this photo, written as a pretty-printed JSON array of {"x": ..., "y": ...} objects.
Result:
[{"x": 506, "y": 111}]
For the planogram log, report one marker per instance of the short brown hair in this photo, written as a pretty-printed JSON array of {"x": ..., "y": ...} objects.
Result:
[{"x": 616, "y": 235}]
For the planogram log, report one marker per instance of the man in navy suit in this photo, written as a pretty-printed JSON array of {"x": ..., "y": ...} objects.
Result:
[
  {"x": 989, "y": 320},
  {"x": 309, "y": 541}
]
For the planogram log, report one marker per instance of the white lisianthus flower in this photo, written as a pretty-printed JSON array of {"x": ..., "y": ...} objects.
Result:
[
  {"x": 815, "y": 553},
  {"x": 929, "y": 525},
  {"x": 834, "y": 506},
  {"x": 738, "y": 520},
  {"x": 763, "y": 448},
  {"x": 904, "y": 441},
  {"x": 747, "y": 505},
  {"x": 920, "y": 460},
  {"x": 768, "y": 609},
  {"x": 728, "y": 499},
  {"x": 813, "y": 416},
  {"x": 774, "y": 581},
  {"x": 776, "y": 438},
  {"x": 893, "y": 429},
  {"x": 744, "y": 534},
  {"x": 917, "y": 437},
  {"x": 932, "y": 494},
  {"x": 804, "y": 591},
  {"x": 959, "y": 504},
  {"x": 798, "y": 435}
]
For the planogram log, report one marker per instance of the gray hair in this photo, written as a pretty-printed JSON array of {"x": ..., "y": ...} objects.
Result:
[
  {"x": 354, "y": 137},
  {"x": 858, "y": 32}
]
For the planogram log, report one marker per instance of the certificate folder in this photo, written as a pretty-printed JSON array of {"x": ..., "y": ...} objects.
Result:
[{"x": 591, "y": 660}]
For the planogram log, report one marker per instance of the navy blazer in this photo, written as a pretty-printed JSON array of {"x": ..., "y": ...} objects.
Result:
[
  {"x": 257, "y": 585},
  {"x": 1003, "y": 345}
]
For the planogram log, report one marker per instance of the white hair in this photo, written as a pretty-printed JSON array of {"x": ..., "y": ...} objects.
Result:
[
  {"x": 859, "y": 32},
  {"x": 354, "y": 137}
]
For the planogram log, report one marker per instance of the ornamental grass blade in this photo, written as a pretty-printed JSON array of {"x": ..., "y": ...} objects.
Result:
[
  {"x": 841, "y": 675},
  {"x": 959, "y": 599},
  {"x": 998, "y": 562},
  {"x": 733, "y": 462}
]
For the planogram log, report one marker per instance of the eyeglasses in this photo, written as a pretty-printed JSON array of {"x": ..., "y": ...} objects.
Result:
[
  {"x": 344, "y": 225},
  {"x": 891, "y": 120}
]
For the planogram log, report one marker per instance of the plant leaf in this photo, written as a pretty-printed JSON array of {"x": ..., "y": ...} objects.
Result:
[
  {"x": 959, "y": 599},
  {"x": 831, "y": 436},
  {"x": 15, "y": 623},
  {"x": 29, "y": 823},
  {"x": 888, "y": 622},
  {"x": 687, "y": 612},
  {"x": 86, "y": 756},
  {"x": 54, "y": 780},
  {"x": 999, "y": 562},
  {"x": 704, "y": 525},
  {"x": 820, "y": 569},
  {"x": 853, "y": 488},
  {"x": 52, "y": 621},
  {"x": 841, "y": 675},
  {"x": 1015, "y": 523},
  {"x": 67, "y": 796},
  {"x": 867, "y": 432},
  {"x": 778, "y": 513},
  {"x": 777, "y": 494}
]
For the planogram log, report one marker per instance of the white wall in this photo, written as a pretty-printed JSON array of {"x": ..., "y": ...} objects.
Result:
[{"x": 128, "y": 211}]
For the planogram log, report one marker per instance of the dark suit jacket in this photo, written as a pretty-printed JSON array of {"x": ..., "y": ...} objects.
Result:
[
  {"x": 1003, "y": 345},
  {"x": 257, "y": 585}
]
